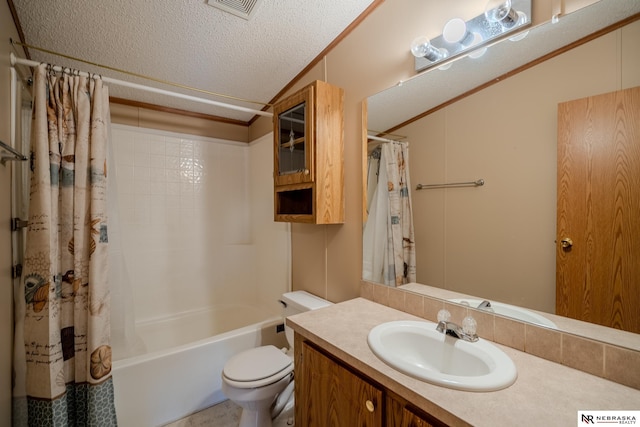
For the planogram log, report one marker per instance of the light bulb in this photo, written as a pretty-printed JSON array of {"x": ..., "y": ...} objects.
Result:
[
  {"x": 455, "y": 31},
  {"x": 520, "y": 35},
  {"x": 421, "y": 47},
  {"x": 477, "y": 39},
  {"x": 500, "y": 11}
]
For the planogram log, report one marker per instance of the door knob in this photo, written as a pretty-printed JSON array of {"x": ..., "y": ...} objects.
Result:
[{"x": 566, "y": 243}]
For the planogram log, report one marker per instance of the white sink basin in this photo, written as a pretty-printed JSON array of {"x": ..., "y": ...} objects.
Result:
[
  {"x": 508, "y": 310},
  {"x": 416, "y": 349}
]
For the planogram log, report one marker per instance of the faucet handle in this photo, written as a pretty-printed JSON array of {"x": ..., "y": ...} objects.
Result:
[
  {"x": 444, "y": 315},
  {"x": 469, "y": 325}
]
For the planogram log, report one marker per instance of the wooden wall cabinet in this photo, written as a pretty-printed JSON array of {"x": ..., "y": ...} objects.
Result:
[
  {"x": 329, "y": 393},
  {"x": 308, "y": 156}
]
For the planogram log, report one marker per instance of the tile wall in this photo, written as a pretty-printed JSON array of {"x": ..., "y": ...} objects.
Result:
[{"x": 196, "y": 222}]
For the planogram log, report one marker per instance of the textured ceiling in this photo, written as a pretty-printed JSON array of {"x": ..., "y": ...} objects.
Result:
[{"x": 188, "y": 42}]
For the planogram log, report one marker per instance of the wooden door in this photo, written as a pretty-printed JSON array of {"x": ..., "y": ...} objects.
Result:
[
  {"x": 598, "y": 218},
  {"x": 329, "y": 395}
]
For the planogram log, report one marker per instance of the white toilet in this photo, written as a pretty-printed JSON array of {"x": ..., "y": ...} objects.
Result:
[{"x": 255, "y": 378}]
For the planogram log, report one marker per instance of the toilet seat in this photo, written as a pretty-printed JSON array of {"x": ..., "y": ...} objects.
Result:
[{"x": 257, "y": 367}]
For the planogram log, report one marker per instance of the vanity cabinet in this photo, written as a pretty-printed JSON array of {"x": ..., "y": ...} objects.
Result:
[
  {"x": 329, "y": 393},
  {"x": 308, "y": 155}
]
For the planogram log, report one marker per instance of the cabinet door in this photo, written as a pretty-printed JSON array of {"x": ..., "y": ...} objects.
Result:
[
  {"x": 329, "y": 395},
  {"x": 411, "y": 419},
  {"x": 401, "y": 415},
  {"x": 294, "y": 122}
]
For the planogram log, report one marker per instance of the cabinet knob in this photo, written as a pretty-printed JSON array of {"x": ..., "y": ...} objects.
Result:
[
  {"x": 370, "y": 406},
  {"x": 306, "y": 171}
]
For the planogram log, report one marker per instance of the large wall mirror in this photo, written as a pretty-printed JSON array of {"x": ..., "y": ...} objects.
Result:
[{"x": 498, "y": 241}]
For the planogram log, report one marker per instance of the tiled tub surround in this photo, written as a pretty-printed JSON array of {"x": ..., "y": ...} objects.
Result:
[
  {"x": 620, "y": 364},
  {"x": 544, "y": 394},
  {"x": 196, "y": 218}
]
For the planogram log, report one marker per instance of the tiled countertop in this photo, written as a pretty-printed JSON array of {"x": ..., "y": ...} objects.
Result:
[{"x": 545, "y": 393}]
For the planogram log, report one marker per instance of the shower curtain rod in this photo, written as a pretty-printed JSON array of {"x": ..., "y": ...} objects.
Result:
[
  {"x": 21, "y": 61},
  {"x": 377, "y": 138}
]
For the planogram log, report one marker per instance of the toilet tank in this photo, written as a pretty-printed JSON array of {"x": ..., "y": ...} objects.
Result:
[{"x": 298, "y": 302}]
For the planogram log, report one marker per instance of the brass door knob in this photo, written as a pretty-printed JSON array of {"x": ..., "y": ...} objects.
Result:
[
  {"x": 370, "y": 406},
  {"x": 566, "y": 243}
]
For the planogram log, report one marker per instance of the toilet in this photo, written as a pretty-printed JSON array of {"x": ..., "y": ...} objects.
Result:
[{"x": 260, "y": 380}]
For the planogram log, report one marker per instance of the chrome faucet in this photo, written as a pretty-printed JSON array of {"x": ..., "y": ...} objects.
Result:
[
  {"x": 484, "y": 304},
  {"x": 466, "y": 332},
  {"x": 456, "y": 331}
]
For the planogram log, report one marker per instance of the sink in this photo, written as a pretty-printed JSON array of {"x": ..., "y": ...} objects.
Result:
[
  {"x": 508, "y": 310},
  {"x": 416, "y": 349}
]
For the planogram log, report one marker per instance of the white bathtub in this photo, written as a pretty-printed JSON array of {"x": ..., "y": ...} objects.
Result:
[{"x": 180, "y": 372}]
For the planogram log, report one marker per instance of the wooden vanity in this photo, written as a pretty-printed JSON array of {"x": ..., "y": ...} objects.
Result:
[
  {"x": 332, "y": 393},
  {"x": 340, "y": 382}
]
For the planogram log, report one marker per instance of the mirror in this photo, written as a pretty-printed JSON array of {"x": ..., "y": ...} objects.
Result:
[{"x": 496, "y": 241}]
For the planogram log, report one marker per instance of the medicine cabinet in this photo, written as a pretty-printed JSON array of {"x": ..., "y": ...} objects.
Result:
[{"x": 308, "y": 156}]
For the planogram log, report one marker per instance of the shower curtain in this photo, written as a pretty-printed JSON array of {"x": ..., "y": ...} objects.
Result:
[
  {"x": 62, "y": 360},
  {"x": 388, "y": 237}
]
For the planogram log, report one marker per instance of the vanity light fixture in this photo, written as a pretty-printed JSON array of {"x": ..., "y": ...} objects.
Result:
[
  {"x": 422, "y": 47},
  {"x": 502, "y": 12},
  {"x": 477, "y": 53},
  {"x": 455, "y": 31},
  {"x": 459, "y": 38}
]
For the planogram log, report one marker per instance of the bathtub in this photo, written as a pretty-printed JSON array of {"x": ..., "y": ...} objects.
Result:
[{"x": 180, "y": 372}]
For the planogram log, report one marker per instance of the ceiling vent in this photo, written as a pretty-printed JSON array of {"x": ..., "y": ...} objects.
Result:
[{"x": 242, "y": 8}]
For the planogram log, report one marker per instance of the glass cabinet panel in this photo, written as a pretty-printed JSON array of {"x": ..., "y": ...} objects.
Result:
[{"x": 292, "y": 144}]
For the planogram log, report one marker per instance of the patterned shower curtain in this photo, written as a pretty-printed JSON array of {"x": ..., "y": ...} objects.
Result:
[
  {"x": 388, "y": 238},
  {"x": 62, "y": 341},
  {"x": 401, "y": 243}
]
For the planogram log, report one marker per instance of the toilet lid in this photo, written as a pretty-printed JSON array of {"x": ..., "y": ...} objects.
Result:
[{"x": 256, "y": 364}]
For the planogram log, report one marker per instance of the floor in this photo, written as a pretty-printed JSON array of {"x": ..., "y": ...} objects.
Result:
[{"x": 225, "y": 414}]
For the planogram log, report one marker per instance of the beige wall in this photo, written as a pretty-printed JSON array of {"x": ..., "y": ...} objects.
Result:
[
  {"x": 152, "y": 119},
  {"x": 7, "y": 30}
]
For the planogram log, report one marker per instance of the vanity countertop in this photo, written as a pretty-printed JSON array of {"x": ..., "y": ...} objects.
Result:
[{"x": 545, "y": 393}]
